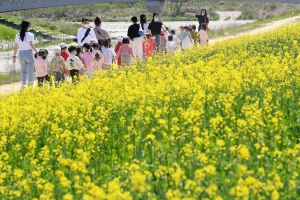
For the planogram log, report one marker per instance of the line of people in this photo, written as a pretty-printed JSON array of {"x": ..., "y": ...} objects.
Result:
[{"x": 92, "y": 50}]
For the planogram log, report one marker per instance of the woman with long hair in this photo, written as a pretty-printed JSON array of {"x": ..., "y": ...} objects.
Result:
[
  {"x": 202, "y": 18},
  {"x": 143, "y": 23},
  {"x": 24, "y": 42}
]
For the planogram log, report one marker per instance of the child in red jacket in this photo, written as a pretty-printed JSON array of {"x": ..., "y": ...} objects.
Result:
[
  {"x": 149, "y": 45},
  {"x": 117, "y": 48}
]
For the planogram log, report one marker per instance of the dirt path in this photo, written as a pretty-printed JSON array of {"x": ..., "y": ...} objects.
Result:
[
  {"x": 10, "y": 88},
  {"x": 264, "y": 28}
]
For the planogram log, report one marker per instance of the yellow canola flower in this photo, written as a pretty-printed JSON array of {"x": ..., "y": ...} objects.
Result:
[{"x": 214, "y": 122}]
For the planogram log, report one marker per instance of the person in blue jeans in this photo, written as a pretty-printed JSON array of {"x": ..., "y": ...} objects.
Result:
[
  {"x": 155, "y": 28},
  {"x": 24, "y": 42}
]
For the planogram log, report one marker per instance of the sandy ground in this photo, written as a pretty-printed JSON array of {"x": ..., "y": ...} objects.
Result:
[
  {"x": 10, "y": 88},
  {"x": 228, "y": 15}
]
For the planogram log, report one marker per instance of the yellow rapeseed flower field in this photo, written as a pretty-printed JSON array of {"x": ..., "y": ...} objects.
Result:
[{"x": 217, "y": 122}]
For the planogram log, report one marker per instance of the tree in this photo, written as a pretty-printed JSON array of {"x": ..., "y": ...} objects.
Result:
[{"x": 178, "y": 5}]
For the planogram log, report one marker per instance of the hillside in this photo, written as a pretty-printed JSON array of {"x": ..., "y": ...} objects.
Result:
[{"x": 174, "y": 11}]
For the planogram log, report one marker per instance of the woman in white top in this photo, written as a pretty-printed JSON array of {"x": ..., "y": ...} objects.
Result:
[
  {"x": 143, "y": 22},
  {"x": 24, "y": 42},
  {"x": 85, "y": 34}
]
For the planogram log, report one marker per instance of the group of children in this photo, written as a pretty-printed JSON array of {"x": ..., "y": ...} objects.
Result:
[
  {"x": 189, "y": 37},
  {"x": 100, "y": 55}
]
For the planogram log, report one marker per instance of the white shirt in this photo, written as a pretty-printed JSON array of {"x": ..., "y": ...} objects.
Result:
[
  {"x": 80, "y": 36},
  {"x": 108, "y": 55},
  {"x": 145, "y": 27},
  {"x": 73, "y": 62},
  {"x": 171, "y": 47},
  {"x": 24, "y": 45},
  {"x": 175, "y": 39}
]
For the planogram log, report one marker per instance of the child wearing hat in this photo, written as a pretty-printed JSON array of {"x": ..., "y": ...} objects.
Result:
[
  {"x": 57, "y": 66},
  {"x": 117, "y": 48},
  {"x": 64, "y": 53}
]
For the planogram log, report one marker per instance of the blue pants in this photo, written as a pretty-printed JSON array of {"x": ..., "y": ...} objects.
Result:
[
  {"x": 27, "y": 66},
  {"x": 157, "y": 40}
]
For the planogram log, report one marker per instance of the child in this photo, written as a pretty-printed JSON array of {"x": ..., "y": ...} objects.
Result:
[
  {"x": 163, "y": 41},
  {"x": 108, "y": 55},
  {"x": 117, "y": 48},
  {"x": 194, "y": 35},
  {"x": 87, "y": 59},
  {"x": 40, "y": 65},
  {"x": 171, "y": 45},
  {"x": 97, "y": 57},
  {"x": 75, "y": 41},
  {"x": 64, "y": 54},
  {"x": 185, "y": 37},
  {"x": 57, "y": 66},
  {"x": 149, "y": 45},
  {"x": 78, "y": 54},
  {"x": 73, "y": 63},
  {"x": 100, "y": 42},
  {"x": 125, "y": 52},
  {"x": 203, "y": 37},
  {"x": 175, "y": 38},
  {"x": 93, "y": 41},
  {"x": 110, "y": 45}
]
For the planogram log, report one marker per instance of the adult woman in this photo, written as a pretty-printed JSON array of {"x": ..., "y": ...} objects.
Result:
[
  {"x": 143, "y": 23},
  {"x": 24, "y": 42},
  {"x": 100, "y": 32},
  {"x": 155, "y": 27},
  {"x": 202, "y": 18},
  {"x": 85, "y": 34},
  {"x": 135, "y": 38}
]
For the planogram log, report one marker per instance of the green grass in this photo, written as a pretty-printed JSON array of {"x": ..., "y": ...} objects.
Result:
[
  {"x": 7, "y": 33},
  {"x": 12, "y": 77}
]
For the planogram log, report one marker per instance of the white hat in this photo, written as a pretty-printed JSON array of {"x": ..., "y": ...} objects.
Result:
[
  {"x": 94, "y": 41},
  {"x": 57, "y": 50},
  {"x": 63, "y": 45},
  {"x": 119, "y": 39}
]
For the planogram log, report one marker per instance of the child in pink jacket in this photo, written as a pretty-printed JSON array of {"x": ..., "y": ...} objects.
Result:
[
  {"x": 87, "y": 59},
  {"x": 40, "y": 64},
  {"x": 97, "y": 57},
  {"x": 125, "y": 52}
]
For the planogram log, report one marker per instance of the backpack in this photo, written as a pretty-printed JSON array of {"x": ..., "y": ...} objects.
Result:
[{"x": 140, "y": 32}]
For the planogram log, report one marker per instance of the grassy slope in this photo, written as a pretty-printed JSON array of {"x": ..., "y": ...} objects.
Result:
[
  {"x": 7, "y": 33},
  {"x": 53, "y": 19}
]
